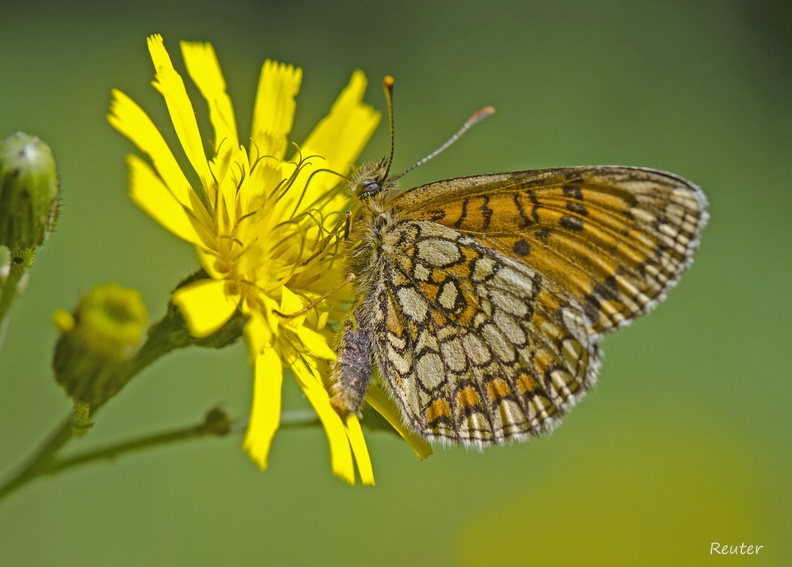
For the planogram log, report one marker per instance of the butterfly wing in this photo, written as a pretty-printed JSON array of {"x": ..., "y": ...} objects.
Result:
[
  {"x": 475, "y": 346},
  {"x": 616, "y": 239}
]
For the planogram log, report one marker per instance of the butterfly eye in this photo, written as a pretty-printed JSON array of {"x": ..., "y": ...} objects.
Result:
[{"x": 369, "y": 187}]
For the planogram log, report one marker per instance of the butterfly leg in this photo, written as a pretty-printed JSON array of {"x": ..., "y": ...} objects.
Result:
[
  {"x": 341, "y": 226},
  {"x": 352, "y": 370}
]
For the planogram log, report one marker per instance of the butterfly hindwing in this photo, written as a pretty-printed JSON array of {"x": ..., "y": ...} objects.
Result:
[{"x": 475, "y": 346}]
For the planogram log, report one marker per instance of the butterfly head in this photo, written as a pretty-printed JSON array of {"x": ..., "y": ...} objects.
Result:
[{"x": 371, "y": 179}]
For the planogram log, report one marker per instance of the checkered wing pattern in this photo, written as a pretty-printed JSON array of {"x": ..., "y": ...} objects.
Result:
[{"x": 475, "y": 346}]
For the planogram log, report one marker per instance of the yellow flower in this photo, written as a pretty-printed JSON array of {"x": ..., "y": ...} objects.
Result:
[{"x": 262, "y": 227}]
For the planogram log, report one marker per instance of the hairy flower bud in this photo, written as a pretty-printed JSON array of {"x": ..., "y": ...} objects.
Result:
[
  {"x": 28, "y": 192},
  {"x": 98, "y": 341}
]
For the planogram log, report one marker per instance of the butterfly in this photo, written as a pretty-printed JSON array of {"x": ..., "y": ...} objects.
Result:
[{"x": 482, "y": 300}]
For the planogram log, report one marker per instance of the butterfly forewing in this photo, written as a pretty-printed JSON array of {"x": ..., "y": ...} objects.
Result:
[{"x": 616, "y": 238}]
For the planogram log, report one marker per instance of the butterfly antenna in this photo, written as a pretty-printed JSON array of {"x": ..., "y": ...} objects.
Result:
[
  {"x": 477, "y": 117},
  {"x": 387, "y": 84}
]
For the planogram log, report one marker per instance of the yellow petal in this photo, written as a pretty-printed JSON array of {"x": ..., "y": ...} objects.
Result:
[
  {"x": 266, "y": 410},
  {"x": 203, "y": 68},
  {"x": 168, "y": 82},
  {"x": 150, "y": 194},
  {"x": 262, "y": 181},
  {"x": 380, "y": 401},
  {"x": 322, "y": 317},
  {"x": 315, "y": 343},
  {"x": 274, "y": 111},
  {"x": 229, "y": 168},
  {"x": 209, "y": 262},
  {"x": 205, "y": 306},
  {"x": 360, "y": 450},
  {"x": 267, "y": 321},
  {"x": 290, "y": 302},
  {"x": 129, "y": 119},
  {"x": 340, "y": 136},
  {"x": 230, "y": 161},
  {"x": 258, "y": 333},
  {"x": 269, "y": 307},
  {"x": 340, "y": 453}
]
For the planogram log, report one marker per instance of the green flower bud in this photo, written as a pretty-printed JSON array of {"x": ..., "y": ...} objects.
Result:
[
  {"x": 28, "y": 192},
  {"x": 97, "y": 343}
]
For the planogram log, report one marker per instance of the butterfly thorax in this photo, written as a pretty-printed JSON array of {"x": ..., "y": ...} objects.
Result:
[{"x": 371, "y": 222}]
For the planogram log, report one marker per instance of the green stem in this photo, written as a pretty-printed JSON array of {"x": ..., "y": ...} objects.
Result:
[
  {"x": 166, "y": 335},
  {"x": 19, "y": 262},
  {"x": 41, "y": 461},
  {"x": 215, "y": 424}
]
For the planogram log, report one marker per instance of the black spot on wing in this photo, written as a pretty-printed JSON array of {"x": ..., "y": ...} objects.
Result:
[
  {"x": 522, "y": 248},
  {"x": 573, "y": 192},
  {"x": 578, "y": 208},
  {"x": 570, "y": 222},
  {"x": 486, "y": 212}
]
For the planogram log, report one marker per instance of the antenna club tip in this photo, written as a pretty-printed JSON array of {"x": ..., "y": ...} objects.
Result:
[
  {"x": 388, "y": 82},
  {"x": 484, "y": 112}
]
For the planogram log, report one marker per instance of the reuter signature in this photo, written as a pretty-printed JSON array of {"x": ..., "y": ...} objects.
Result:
[{"x": 726, "y": 549}]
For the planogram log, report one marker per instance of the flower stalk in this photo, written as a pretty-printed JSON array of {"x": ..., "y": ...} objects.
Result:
[{"x": 45, "y": 462}]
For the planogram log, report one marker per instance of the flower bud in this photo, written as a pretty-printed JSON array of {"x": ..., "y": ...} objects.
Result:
[
  {"x": 97, "y": 343},
  {"x": 28, "y": 192}
]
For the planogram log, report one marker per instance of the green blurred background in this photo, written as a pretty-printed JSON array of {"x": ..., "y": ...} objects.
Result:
[{"x": 686, "y": 440}]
